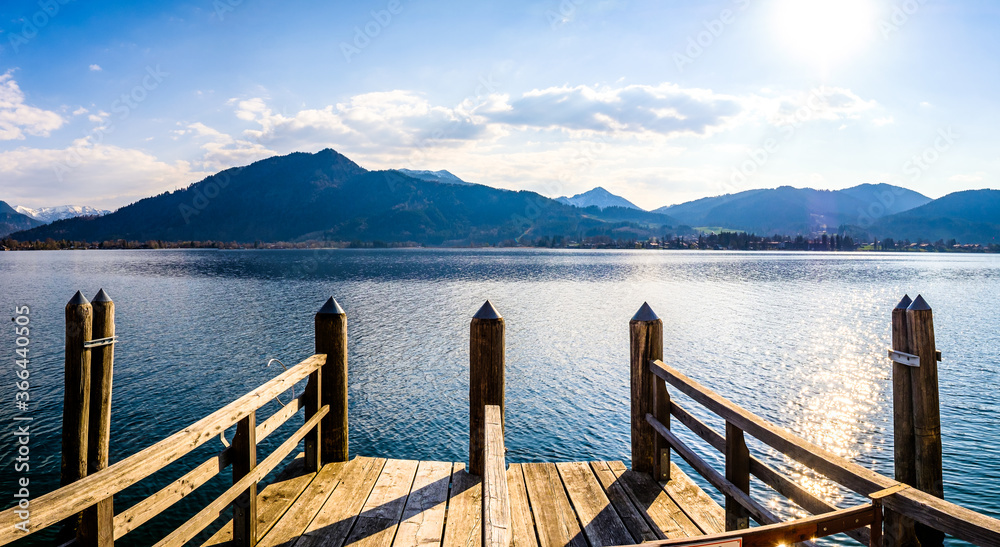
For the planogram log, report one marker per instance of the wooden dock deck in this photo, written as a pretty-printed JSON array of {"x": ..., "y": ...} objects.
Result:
[
  {"x": 325, "y": 498},
  {"x": 375, "y": 502}
]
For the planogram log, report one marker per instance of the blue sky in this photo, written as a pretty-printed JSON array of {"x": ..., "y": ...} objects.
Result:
[{"x": 103, "y": 103}]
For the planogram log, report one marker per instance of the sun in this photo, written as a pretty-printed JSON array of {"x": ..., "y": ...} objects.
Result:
[{"x": 823, "y": 32}]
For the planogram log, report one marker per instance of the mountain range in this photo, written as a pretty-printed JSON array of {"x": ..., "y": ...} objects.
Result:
[
  {"x": 52, "y": 214},
  {"x": 326, "y": 196}
]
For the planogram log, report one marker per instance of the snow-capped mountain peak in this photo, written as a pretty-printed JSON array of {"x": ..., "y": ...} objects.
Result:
[{"x": 52, "y": 214}]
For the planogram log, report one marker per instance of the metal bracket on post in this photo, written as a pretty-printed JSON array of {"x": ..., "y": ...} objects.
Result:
[
  {"x": 100, "y": 342},
  {"x": 904, "y": 358}
]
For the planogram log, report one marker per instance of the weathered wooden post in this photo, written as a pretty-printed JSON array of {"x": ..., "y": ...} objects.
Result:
[
  {"x": 646, "y": 344},
  {"x": 486, "y": 378},
  {"x": 76, "y": 400},
  {"x": 97, "y": 527},
  {"x": 244, "y": 461},
  {"x": 331, "y": 339},
  {"x": 926, "y": 410},
  {"x": 738, "y": 473},
  {"x": 898, "y": 528}
]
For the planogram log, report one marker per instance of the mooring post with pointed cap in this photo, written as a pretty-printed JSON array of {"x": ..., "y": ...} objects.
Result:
[
  {"x": 97, "y": 527},
  {"x": 899, "y": 530},
  {"x": 76, "y": 400},
  {"x": 486, "y": 378},
  {"x": 646, "y": 344},
  {"x": 331, "y": 339},
  {"x": 926, "y": 410}
]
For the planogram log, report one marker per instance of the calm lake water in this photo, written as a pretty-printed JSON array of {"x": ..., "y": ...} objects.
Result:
[{"x": 799, "y": 339}]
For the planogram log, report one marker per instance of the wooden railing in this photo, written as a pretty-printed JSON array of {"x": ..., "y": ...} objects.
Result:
[
  {"x": 652, "y": 440},
  {"x": 73, "y": 503}
]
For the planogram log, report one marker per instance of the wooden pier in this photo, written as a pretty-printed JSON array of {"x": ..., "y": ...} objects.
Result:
[{"x": 326, "y": 498}]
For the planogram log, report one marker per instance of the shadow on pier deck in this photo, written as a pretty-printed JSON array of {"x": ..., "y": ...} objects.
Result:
[{"x": 374, "y": 502}]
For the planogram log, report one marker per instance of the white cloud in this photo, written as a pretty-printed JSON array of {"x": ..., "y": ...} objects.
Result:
[
  {"x": 17, "y": 118},
  {"x": 95, "y": 68},
  {"x": 80, "y": 111},
  {"x": 967, "y": 178},
  {"x": 89, "y": 174}
]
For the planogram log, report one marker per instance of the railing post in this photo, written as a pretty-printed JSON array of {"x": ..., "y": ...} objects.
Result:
[
  {"x": 244, "y": 461},
  {"x": 97, "y": 528},
  {"x": 661, "y": 448},
  {"x": 646, "y": 344},
  {"x": 76, "y": 400},
  {"x": 313, "y": 402},
  {"x": 331, "y": 339},
  {"x": 899, "y": 530},
  {"x": 927, "y": 412},
  {"x": 738, "y": 473},
  {"x": 486, "y": 377}
]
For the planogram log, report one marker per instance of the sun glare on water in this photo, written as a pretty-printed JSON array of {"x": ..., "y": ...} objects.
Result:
[{"x": 823, "y": 32}]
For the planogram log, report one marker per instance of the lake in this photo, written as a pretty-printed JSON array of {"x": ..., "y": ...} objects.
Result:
[{"x": 798, "y": 338}]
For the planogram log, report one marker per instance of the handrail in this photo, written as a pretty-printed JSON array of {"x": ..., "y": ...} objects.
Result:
[
  {"x": 931, "y": 511},
  {"x": 787, "y": 533},
  {"x": 166, "y": 497},
  {"x": 73, "y": 498},
  {"x": 781, "y": 483},
  {"x": 496, "y": 495}
]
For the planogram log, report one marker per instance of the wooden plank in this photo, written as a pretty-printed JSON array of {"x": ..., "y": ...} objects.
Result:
[
  {"x": 334, "y": 520},
  {"x": 699, "y": 507},
  {"x": 601, "y": 523},
  {"x": 166, "y": 497},
  {"x": 779, "y": 482},
  {"x": 273, "y": 501},
  {"x": 376, "y": 525},
  {"x": 302, "y": 511},
  {"x": 554, "y": 517},
  {"x": 785, "y": 533},
  {"x": 142, "y": 512},
  {"x": 659, "y": 510},
  {"x": 760, "y": 513},
  {"x": 423, "y": 517},
  {"x": 522, "y": 523},
  {"x": 55, "y": 506},
  {"x": 633, "y": 519},
  {"x": 463, "y": 526},
  {"x": 206, "y": 516},
  {"x": 496, "y": 495}
]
